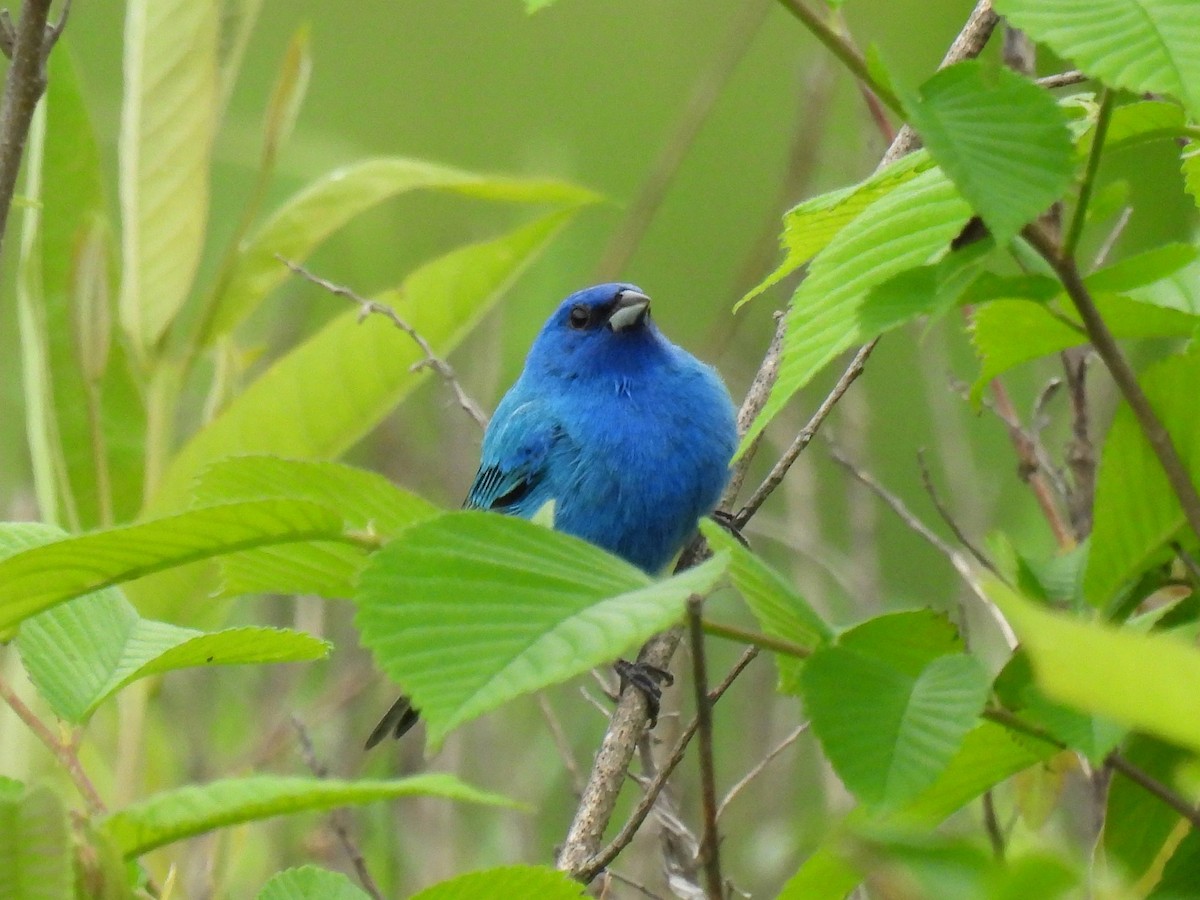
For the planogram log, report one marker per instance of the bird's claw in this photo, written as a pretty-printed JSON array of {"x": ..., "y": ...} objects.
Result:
[
  {"x": 729, "y": 522},
  {"x": 649, "y": 680}
]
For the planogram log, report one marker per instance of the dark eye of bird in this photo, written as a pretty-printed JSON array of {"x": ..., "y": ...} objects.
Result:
[{"x": 579, "y": 317}]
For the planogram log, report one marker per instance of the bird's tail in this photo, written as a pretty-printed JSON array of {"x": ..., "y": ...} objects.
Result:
[{"x": 395, "y": 723}]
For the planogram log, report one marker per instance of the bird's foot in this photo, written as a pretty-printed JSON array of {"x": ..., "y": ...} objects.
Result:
[
  {"x": 648, "y": 679},
  {"x": 728, "y": 521}
]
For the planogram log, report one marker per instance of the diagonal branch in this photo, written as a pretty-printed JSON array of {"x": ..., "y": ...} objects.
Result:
[{"x": 28, "y": 45}]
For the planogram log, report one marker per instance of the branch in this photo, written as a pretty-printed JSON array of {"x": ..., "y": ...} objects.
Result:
[
  {"x": 590, "y": 868},
  {"x": 969, "y": 43},
  {"x": 336, "y": 819},
  {"x": 807, "y": 433},
  {"x": 63, "y": 752},
  {"x": 431, "y": 360},
  {"x": 710, "y": 841},
  {"x": 1122, "y": 373},
  {"x": 760, "y": 767},
  {"x": 841, "y": 48},
  {"x": 28, "y": 45},
  {"x": 1062, "y": 79}
]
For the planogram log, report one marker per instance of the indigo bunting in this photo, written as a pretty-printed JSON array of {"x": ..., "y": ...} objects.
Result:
[{"x": 627, "y": 434}]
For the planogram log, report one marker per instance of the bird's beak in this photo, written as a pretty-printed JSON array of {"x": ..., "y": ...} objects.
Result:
[{"x": 630, "y": 310}]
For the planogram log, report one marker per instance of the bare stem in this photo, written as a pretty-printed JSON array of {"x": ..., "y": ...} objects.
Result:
[
  {"x": 1122, "y": 373},
  {"x": 28, "y": 46},
  {"x": 756, "y": 639},
  {"x": 807, "y": 433},
  {"x": 337, "y": 817},
  {"x": 844, "y": 51},
  {"x": 431, "y": 360},
  {"x": 1079, "y": 218},
  {"x": 710, "y": 841},
  {"x": 64, "y": 752}
]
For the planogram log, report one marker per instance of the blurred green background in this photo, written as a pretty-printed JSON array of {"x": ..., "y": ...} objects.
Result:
[{"x": 592, "y": 92}]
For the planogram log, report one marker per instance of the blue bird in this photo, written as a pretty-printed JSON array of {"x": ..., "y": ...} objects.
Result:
[{"x": 627, "y": 434}]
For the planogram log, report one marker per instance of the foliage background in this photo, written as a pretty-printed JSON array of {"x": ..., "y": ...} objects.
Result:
[{"x": 589, "y": 92}]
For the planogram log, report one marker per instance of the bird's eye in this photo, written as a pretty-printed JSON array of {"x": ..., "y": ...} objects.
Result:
[{"x": 579, "y": 317}]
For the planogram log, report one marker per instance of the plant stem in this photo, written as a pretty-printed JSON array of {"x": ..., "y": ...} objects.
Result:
[
  {"x": 840, "y": 48},
  {"x": 710, "y": 841},
  {"x": 755, "y": 639},
  {"x": 1078, "y": 219},
  {"x": 1106, "y": 346}
]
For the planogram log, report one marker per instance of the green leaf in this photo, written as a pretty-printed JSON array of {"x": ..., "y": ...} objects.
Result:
[
  {"x": 327, "y": 393},
  {"x": 1181, "y": 874},
  {"x": 168, "y": 118},
  {"x": 311, "y": 216},
  {"x": 1144, "y": 46},
  {"x": 503, "y": 883},
  {"x": 907, "y": 640},
  {"x": 1137, "y": 824},
  {"x": 809, "y": 227},
  {"x": 988, "y": 755},
  {"x": 532, "y": 6},
  {"x": 472, "y": 609},
  {"x": 887, "y": 733},
  {"x": 1191, "y": 174},
  {"x": 310, "y": 883},
  {"x": 194, "y": 809},
  {"x": 35, "y": 854},
  {"x": 81, "y": 653},
  {"x": 910, "y": 226},
  {"x": 1144, "y": 681},
  {"x": 926, "y": 290},
  {"x": 1007, "y": 333},
  {"x": 1001, "y": 138},
  {"x": 41, "y": 577},
  {"x": 366, "y": 500},
  {"x": 1136, "y": 512},
  {"x": 780, "y": 611},
  {"x": 1141, "y": 121},
  {"x": 1142, "y": 269}
]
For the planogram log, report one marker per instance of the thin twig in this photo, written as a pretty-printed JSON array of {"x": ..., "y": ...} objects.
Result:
[
  {"x": 756, "y": 399},
  {"x": 710, "y": 841},
  {"x": 807, "y": 433},
  {"x": 970, "y": 43},
  {"x": 931, "y": 490},
  {"x": 844, "y": 51},
  {"x": 991, "y": 824},
  {"x": 430, "y": 361},
  {"x": 641, "y": 212},
  {"x": 1070, "y": 241},
  {"x": 760, "y": 767},
  {"x": 561, "y": 742},
  {"x": 594, "y": 865},
  {"x": 64, "y": 752},
  {"x": 756, "y": 639},
  {"x": 1122, "y": 373},
  {"x": 1030, "y": 465},
  {"x": 28, "y": 45},
  {"x": 336, "y": 819},
  {"x": 1062, "y": 79},
  {"x": 1114, "y": 235},
  {"x": 637, "y": 886}
]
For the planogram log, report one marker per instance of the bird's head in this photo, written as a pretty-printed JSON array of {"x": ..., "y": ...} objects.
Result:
[{"x": 602, "y": 328}]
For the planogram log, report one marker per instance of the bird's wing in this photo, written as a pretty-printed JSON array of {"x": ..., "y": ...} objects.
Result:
[{"x": 515, "y": 461}]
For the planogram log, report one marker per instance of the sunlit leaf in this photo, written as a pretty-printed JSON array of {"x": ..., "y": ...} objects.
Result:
[
  {"x": 168, "y": 118},
  {"x": 41, "y": 577},
  {"x": 809, "y": 227},
  {"x": 1144, "y": 46},
  {"x": 36, "y": 852},
  {"x": 1002, "y": 139},
  {"x": 909, "y": 226},
  {"x": 308, "y": 218},
  {"x": 504, "y": 883},
  {"x": 1141, "y": 680},
  {"x": 310, "y": 883},
  {"x": 472, "y": 609},
  {"x": 81, "y": 653},
  {"x": 1136, "y": 512},
  {"x": 1143, "y": 120},
  {"x": 1191, "y": 174},
  {"x": 324, "y": 395},
  {"x": 194, "y": 809},
  {"x": 780, "y": 611},
  {"x": 366, "y": 500}
]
